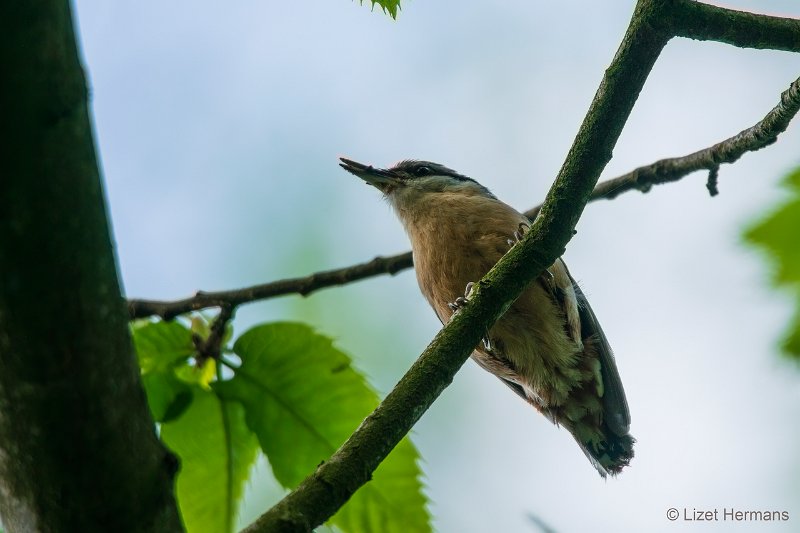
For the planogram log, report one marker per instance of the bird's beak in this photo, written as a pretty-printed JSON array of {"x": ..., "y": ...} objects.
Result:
[{"x": 380, "y": 178}]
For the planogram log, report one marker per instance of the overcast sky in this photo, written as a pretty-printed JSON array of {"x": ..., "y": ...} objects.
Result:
[{"x": 219, "y": 128}]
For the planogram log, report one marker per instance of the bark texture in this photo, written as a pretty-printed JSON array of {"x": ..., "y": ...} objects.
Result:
[{"x": 78, "y": 450}]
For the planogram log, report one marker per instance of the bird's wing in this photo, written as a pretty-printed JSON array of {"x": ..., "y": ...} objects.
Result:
[
  {"x": 617, "y": 415},
  {"x": 500, "y": 367},
  {"x": 505, "y": 372},
  {"x": 517, "y": 388}
]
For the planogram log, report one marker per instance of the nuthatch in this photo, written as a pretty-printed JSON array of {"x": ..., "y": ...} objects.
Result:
[{"x": 548, "y": 347}]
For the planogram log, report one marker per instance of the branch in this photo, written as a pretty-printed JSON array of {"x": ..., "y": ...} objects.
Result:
[
  {"x": 335, "y": 480},
  {"x": 211, "y": 346},
  {"x": 696, "y": 20},
  {"x": 303, "y": 286},
  {"x": 762, "y": 134}
]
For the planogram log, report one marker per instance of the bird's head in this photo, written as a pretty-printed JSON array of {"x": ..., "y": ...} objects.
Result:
[{"x": 411, "y": 181}]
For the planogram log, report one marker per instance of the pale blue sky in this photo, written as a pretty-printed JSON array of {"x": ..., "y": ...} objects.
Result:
[{"x": 219, "y": 128}]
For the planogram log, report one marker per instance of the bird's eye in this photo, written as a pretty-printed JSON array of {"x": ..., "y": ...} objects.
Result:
[{"x": 422, "y": 171}]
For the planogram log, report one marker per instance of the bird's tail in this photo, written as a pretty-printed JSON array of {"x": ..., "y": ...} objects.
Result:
[
  {"x": 608, "y": 446},
  {"x": 608, "y": 452},
  {"x": 604, "y": 439}
]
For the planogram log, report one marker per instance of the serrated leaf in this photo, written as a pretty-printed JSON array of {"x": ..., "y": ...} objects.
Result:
[
  {"x": 392, "y": 501},
  {"x": 388, "y": 6},
  {"x": 303, "y": 399},
  {"x": 216, "y": 450},
  {"x": 779, "y": 235}
]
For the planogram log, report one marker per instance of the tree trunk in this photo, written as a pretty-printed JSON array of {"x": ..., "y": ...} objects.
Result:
[{"x": 78, "y": 450}]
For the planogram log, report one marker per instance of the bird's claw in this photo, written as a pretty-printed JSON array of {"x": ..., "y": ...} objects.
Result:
[
  {"x": 518, "y": 234},
  {"x": 468, "y": 290},
  {"x": 522, "y": 229},
  {"x": 461, "y": 301}
]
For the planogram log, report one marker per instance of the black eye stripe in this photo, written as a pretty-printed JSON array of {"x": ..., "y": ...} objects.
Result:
[
  {"x": 408, "y": 169},
  {"x": 422, "y": 171}
]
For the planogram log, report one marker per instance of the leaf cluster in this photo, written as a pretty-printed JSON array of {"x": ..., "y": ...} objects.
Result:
[{"x": 282, "y": 390}]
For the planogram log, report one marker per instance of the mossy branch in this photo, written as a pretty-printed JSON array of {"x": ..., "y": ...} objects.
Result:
[{"x": 704, "y": 22}]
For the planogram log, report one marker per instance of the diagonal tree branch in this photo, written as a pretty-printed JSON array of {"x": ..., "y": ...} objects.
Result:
[
  {"x": 760, "y": 135},
  {"x": 335, "y": 480}
]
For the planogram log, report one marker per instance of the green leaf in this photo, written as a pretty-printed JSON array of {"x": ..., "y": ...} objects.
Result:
[
  {"x": 778, "y": 234},
  {"x": 303, "y": 399},
  {"x": 161, "y": 345},
  {"x": 392, "y": 501},
  {"x": 163, "y": 348},
  {"x": 209, "y": 434},
  {"x": 388, "y": 6},
  {"x": 167, "y": 396},
  {"x": 198, "y": 376},
  {"x": 216, "y": 450}
]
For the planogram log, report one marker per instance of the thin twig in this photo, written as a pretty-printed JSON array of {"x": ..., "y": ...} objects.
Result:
[
  {"x": 303, "y": 286},
  {"x": 211, "y": 347},
  {"x": 540, "y": 524},
  {"x": 713, "y": 181},
  {"x": 762, "y": 134}
]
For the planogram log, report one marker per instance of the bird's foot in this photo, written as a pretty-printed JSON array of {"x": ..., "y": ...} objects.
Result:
[
  {"x": 461, "y": 301},
  {"x": 518, "y": 234},
  {"x": 547, "y": 277}
]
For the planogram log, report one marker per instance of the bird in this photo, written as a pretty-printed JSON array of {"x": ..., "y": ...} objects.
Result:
[{"x": 548, "y": 347}]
